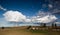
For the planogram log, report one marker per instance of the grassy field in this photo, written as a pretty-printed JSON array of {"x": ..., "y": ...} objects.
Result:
[{"x": 18, "y": 31}]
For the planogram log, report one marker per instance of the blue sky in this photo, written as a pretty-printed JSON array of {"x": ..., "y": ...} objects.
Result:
[
  {"x": 27, "y": 7},
  {"x": 30, "y": 7}
]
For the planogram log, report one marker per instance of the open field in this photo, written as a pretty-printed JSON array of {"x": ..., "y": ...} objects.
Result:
[{"x": 24, "y": 31}]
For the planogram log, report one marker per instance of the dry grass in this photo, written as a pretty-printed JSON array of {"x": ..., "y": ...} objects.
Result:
[
  {"x": 24, "y": 31},
  {"x": 14, "y": 31}
]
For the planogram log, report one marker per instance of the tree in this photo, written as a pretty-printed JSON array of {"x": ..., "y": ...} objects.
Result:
[
  {"x": 55, "y": 25},
  {"x": 44, "y": 25},
  {"x": 29, "y": 27},
  {"x": 52, "y": 25}
]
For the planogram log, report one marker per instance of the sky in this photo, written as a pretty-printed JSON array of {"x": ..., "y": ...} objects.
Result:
[{"x": 28, "y": 9}]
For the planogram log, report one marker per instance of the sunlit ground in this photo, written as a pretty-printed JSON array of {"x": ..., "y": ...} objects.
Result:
[{"x": 18, "y": 31}]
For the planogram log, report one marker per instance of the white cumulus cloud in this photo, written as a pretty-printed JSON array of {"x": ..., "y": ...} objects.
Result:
[
  {"x": 46, "y": 19},
  {"x": 15, "y": 16},
  {"x": 28, "y": 20}
]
